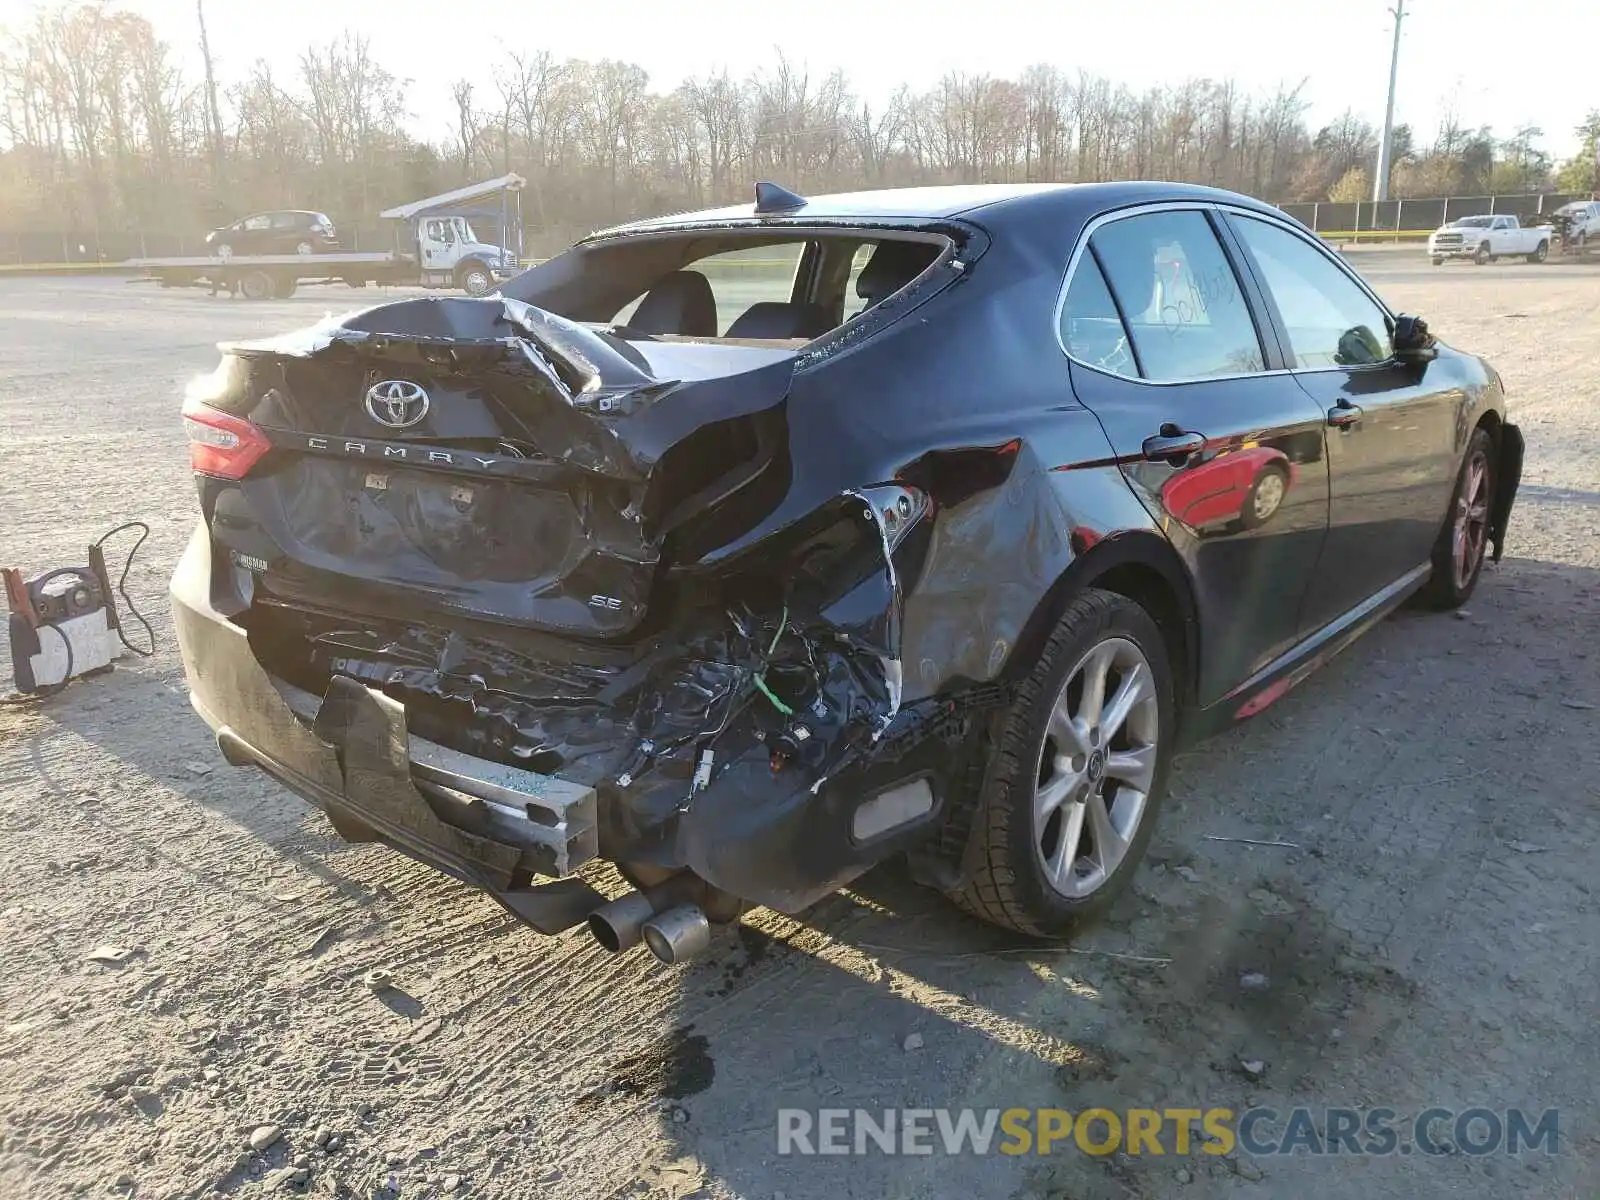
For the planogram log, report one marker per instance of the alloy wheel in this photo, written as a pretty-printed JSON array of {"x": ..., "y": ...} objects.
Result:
[
  {"x": 1096, "y": 767},
  {"x": 1471, "y": 521}
]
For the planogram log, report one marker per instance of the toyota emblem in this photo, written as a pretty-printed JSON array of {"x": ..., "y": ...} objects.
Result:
[{"x": 397, "y": 403}]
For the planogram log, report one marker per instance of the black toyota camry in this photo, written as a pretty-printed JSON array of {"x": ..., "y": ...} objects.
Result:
[{"x": 746, "y": 548}]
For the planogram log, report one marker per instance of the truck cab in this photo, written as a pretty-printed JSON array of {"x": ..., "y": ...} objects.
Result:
[{"x": 450, "y": 253}]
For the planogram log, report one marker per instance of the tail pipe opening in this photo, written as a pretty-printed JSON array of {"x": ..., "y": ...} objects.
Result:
[
  {"x": 678, "y": 934},
  {"x": 619, "y": 925}
]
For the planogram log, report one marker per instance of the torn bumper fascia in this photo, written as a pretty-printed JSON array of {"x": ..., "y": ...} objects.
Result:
[{"x": 734, "y": 764}]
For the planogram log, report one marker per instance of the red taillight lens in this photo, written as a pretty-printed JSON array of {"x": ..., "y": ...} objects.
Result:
[{"x": 221, "y": 444}]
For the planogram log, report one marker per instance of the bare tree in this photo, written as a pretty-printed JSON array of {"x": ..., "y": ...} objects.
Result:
[{"x": 99, "y": 130}]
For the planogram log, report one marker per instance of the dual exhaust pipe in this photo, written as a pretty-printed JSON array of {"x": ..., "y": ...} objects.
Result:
[{"x": 665, "y": 917}]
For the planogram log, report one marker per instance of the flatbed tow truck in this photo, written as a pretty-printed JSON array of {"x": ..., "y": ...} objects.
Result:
[{"x": 435, "y": 247}]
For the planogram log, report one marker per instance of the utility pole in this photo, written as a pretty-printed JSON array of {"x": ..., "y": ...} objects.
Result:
[
  {"x": 1380, "y": 185},
  {"x": 213, "y": 115}
]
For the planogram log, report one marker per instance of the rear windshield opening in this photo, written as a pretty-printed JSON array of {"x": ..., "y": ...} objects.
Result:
[{"x": 736, "y": 286}]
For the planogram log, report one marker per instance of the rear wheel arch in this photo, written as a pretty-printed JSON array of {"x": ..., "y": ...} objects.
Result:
[{"x": 1143, "y": 567}]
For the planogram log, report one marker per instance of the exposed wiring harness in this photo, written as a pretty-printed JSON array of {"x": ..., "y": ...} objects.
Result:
[{"x": 760, "y": 679}]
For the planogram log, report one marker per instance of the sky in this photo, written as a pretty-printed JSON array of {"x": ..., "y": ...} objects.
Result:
[{"x": 1493, "y": 62}]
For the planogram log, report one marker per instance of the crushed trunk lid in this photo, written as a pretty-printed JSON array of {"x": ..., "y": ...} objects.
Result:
[{"x": 490, "y": 459}]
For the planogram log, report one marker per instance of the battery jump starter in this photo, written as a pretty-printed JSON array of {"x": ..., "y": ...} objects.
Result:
[{"x": 64, "y": 623}]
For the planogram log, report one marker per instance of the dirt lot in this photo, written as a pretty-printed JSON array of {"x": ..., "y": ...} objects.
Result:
[{"x": 1429, "y": 939}]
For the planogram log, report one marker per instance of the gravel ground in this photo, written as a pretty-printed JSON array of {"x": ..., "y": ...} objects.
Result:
[{"x": 1428, "y": 939}]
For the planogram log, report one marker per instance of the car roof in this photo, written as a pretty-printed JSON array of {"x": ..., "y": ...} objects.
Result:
[{"x": 997, "y": 202}]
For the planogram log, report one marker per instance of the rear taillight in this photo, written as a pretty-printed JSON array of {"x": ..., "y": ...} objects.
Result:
[{"x": 221, "y": 444}]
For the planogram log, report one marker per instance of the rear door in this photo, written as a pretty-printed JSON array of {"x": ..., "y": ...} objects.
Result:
[
  {"x": 286, "y": 233},
  {"x": 1168, "y": 351},
  {"x": 1391, "y": 426}
]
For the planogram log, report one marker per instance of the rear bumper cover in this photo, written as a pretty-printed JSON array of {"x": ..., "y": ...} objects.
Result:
[{"x": 354, "y": 758}]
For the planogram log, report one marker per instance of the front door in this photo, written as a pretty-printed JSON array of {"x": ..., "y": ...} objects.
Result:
[
  {"x": 436, "y": 240},
  {"x": 1391, "y": 426},
  {"x": 1167, "y": 351}
]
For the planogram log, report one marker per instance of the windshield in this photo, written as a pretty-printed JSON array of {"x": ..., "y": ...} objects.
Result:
[{"x": 1472, "y": 222}]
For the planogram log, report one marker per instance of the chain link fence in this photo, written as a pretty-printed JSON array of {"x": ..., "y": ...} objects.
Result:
[{"x": 1404, "y": 219}]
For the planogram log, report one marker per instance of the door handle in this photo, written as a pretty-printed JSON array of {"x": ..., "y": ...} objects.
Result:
[
  {"x": 1343, "y": 415},
  {"x": 1171, "y": 444}
]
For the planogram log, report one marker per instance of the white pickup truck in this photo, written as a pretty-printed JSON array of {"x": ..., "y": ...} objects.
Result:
[
  {"x": 1484, "y": 239},
  {"x": 1577, "y": 227}
]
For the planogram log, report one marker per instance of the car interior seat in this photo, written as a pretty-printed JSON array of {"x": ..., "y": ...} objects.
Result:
[
  {"x": 770, "y": 319},
  {"x": 893, "y": 265},
  {"x": 682, "y": 305}
]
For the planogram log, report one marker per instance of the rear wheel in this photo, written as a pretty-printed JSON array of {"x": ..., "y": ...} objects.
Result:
[
  {"x": 284, "y": 287},
  {"x": 1078, "y": 771},
  {"x": 1463, "y": 541},
  {"x": 256, "y": 285},
  {"x": 1541, "y": 253}
]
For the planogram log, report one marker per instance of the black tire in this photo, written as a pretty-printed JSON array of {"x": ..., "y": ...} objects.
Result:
[
  {"x": 1540, "y": 254},
  {"x": 305, "y": 249},
  {"x": 257, "y": 285},
  {"x": 1481, "y": 255},
  {"x": 284, "y": 286},
  {"x": 1248, "y": 517},
  {"x": 1438, "y": 260},
  {"x": 1009, "y": 887},
  {"x": 1447, "y": 587},
  {"x": 475, "y": 278},
  {"x": 223, "y": 250}
]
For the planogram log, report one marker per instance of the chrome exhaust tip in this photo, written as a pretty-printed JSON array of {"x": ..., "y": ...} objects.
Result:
[
  {"x": 678, "y": 934},
  {"x": 617, "y": 926}
]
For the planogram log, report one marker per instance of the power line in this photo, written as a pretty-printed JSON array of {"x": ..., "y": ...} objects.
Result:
[{"x": 1380, "y": 185}]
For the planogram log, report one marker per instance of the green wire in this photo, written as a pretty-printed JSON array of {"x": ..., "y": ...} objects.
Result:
[{"x": 761, "y": 679}]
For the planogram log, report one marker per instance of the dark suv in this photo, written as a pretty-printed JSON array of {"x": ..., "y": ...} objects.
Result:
[{"x": 288, "y": 232}]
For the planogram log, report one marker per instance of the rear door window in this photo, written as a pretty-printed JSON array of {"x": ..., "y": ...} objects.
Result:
[
  {"x": 1186, "y": 313},
  {"x": 1091, "y": 328}
]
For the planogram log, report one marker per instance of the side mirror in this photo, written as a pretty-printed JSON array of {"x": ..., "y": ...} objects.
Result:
[{"x": 1412, "y": 341}]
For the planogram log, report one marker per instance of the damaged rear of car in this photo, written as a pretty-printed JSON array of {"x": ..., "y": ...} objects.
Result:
[{"x": 513, "y": 587}]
